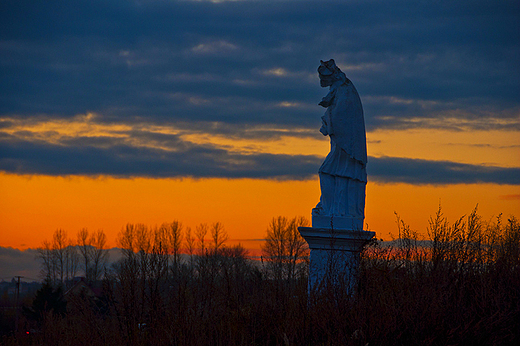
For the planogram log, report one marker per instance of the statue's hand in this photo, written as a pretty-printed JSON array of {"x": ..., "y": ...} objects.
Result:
[
  {"x": 323, "y": 130},
  {"x": 324, "y": 103},
  {"x": 327, "y": 100},
  {"x": 324, "y": 126}
]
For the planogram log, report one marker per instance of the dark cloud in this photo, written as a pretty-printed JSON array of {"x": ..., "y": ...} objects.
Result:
[
  {"x": 17, "y": 262},
  {"x": 512, "y": 146},
  {"x": 14, "y": 262},
  {"x": 170, "y": 156},
  {"x": 130, "y": 58},
  {"x": 88, "y": 156},
  {"x": 421, "y": 172},
  {"x": 248, "y": 70}
]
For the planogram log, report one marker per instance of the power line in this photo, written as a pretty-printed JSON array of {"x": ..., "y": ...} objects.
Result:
[
  {"x": 16, "y": 303},
  {"x": 8, "y": 278}
]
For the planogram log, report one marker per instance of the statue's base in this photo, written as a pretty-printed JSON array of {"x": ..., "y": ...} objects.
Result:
[
  {"x": 335, "y": 255},
  {"x": 337, "y": 222}
]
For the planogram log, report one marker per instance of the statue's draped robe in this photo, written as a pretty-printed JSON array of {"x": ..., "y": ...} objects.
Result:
[{"x": 344, "y": 123}]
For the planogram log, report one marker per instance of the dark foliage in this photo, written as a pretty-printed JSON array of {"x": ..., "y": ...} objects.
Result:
[
  {"x": 48, "y": 301},
  {"x": 460, "y": 287}
]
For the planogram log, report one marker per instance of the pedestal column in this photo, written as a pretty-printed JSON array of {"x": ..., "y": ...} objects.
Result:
[{"x": 334, "y": 255}]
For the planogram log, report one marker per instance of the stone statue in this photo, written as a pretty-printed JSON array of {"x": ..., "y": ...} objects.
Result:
[
  {"x": 343, "y": 175},
  {"x": 336, "y": 237}
]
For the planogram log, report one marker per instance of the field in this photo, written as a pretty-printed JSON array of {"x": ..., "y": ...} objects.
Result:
[{"x": 459, "y": 286}]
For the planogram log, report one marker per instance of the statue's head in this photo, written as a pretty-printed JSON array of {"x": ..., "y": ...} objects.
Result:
[{"x": 330, "y": 73}]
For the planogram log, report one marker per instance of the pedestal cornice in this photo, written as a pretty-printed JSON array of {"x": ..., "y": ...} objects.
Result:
[{"x": 335, "y": 239}]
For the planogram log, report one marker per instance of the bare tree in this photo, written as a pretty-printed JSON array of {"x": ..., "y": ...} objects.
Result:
[
  {"x": 219, "y": 237},
  {"x": 190, "y": 241},
  {"x": 128, "y": 308},
  {"x": 190, "y": 244},
  {"x": 132, "y": 271},
  {"x": 174, "y": 238},
  {"x": 200, "y": 233},
  {"x": 143, "y": 240},
  {"x": 48, "y": 263},
  {"x": 126, "y": 240},
  {"x": 284, "y": 248},
  {"x": 235, "y": 270},
  {"x": 85, "y": 249},
  {"x": 93, "y": 253},
  {"x": 100, "y": 254},
  {"x": 274, "y": 247},
  {"x": 59, "y": 243},
  {"x": 142, "y": 273},
  {"x": 158, "y": 265},
  {"x": 72, "y": 260},
  {"x": 60, "y": 260},
  {"x": 297, "y": 248}
]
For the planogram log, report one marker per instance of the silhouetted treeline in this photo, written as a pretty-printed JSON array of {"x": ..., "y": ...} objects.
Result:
[
  {"x": 62, "y": 259},
  {"x": 460, "y": 286}
]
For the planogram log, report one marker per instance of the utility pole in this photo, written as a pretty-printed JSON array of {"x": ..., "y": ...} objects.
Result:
[{"x": 16, "y": 303}]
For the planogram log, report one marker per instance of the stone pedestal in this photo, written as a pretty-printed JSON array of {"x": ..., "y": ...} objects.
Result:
[
  {"x": 338, "y": 222},
  {"x": 335, "y": 254}
]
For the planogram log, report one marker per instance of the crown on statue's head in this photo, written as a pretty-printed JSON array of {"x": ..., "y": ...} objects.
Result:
[{"x": 327, "y": 68}]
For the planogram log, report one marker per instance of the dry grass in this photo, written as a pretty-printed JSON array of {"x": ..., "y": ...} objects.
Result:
[{"x": 460, "y": 287}]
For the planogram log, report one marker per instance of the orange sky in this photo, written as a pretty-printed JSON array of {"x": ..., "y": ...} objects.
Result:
[{"x": 32, "y": 207}]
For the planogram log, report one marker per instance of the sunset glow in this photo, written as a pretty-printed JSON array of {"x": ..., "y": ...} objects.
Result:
[{"x": 33, "y": 207}]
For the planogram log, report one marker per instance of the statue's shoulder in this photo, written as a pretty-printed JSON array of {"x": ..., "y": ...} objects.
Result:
[
  {"x": 347, "y": 88},
  {"x": 351, "y": 89}
]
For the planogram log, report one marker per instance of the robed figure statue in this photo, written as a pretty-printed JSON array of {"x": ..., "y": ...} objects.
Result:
[{"x": 343, "y": 175}]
